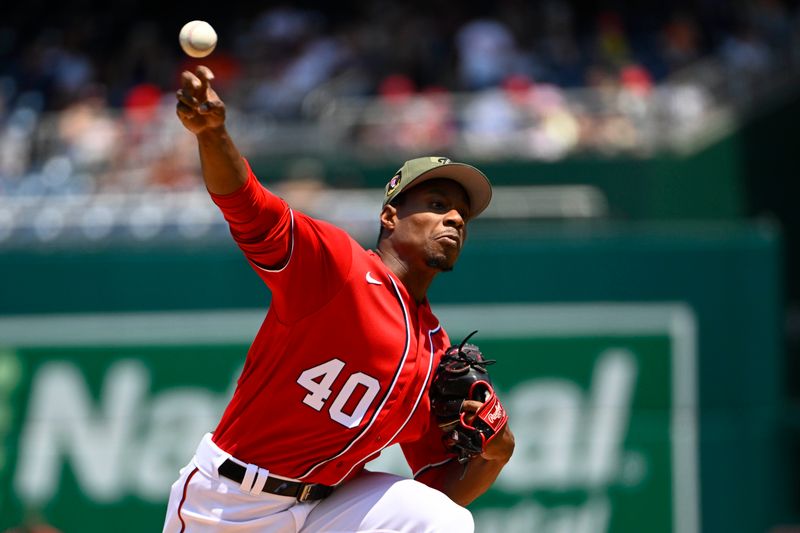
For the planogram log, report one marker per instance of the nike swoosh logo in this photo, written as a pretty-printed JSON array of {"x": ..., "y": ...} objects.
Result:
[{"x": 372, "y": 280}]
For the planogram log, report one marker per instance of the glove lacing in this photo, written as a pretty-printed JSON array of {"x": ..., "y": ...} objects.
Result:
[{"x": 471, "y": 363}]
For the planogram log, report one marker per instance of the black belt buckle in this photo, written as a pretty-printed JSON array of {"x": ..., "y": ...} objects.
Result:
[{"x": 305, "y": 492}]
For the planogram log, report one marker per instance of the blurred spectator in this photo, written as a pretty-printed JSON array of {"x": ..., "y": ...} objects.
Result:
[
  {"x": 226, "y": 67},
  {"x": 143, "y": 58},
  {"x": 141, "y": 103},
  {"x": 310, "y": 58},
  {"x": 88, "y": 135},
  {"x": 772, "y": 21},
  {"x": 559, "y": 47},
  {"x": 611, "y": 46},
  {"x": 487, "y": 53},
  {"x": 282, "y": 93},
  {"x": 490, "y": 120},
  {"x": 376, "y": 77},
  {"x": 303, "y": 181},
  {"x": 71, "y": 70},
  {"x": 636, "y": 80},
  {"x": 558, "y": 134},
  {"x": 409, "y": 121},
  {"x": 175, "y": 169},
  {"x": 746, "y": 52},
  {"x": 636, "y": 103},
  {"x": 680, "y": 41},
  {"x": 396, "y": 88},
  {"x": 748, "y": 58},
  {"x": 603, "y": 83}
]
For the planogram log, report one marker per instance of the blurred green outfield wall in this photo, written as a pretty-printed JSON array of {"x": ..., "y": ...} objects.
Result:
[
  {"x": 704, "y": 184},
  {"x": 592, "y": 326}
]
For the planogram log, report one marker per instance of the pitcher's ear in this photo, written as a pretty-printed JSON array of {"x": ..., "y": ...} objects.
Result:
[{"x": 388, "y": 217}]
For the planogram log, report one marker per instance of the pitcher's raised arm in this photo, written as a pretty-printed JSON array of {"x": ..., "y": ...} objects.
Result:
[{"x": 202, "y": 112}]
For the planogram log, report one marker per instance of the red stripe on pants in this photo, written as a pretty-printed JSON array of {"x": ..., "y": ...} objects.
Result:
[{"x": 183, "y": 499}]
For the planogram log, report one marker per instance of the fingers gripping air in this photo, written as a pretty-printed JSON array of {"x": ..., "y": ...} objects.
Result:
[{"x": 461, "y": 377}]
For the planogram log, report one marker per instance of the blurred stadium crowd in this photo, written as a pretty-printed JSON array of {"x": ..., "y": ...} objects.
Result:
[{"x": 86, "y": 92}]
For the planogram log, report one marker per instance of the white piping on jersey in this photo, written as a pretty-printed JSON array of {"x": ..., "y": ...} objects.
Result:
[
  {"x": 413, "y": 409},
  {"x": 432, "y": 465},
  {"x": 388, "y": 392},
  {"x": 291, "y": 249}
]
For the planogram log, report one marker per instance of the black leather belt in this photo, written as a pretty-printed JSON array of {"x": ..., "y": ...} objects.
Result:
[{"x": 296, "y": 489}]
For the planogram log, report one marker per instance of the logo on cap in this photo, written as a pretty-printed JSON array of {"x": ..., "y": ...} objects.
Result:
[
  {"x": 443, "y": 160},
  {"x": 393, "y": 183}
]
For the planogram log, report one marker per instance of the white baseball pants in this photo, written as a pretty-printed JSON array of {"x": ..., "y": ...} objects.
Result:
[{"x": 201, "y": 501}]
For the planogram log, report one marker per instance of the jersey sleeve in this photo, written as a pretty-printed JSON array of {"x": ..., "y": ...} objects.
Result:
[
  {"x": 303, "y": 261},
  {"x": 258, "y": 220},
  {"x": 426, "y": 452}
]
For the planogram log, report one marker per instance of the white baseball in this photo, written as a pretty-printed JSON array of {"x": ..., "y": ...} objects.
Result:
[{"x": 197, "y": 38}]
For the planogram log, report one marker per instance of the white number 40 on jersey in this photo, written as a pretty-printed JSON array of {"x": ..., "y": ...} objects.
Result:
[{"x": 318, "y": 380}]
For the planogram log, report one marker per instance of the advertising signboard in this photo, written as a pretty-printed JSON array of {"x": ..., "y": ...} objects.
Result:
[{"x": 99, "y": 412}]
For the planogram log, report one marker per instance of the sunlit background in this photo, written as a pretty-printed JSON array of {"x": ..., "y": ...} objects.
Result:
[{"x": 635, "y": 275}]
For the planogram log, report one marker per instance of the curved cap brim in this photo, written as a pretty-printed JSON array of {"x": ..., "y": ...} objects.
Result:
[{"x": 475, "y": 182}]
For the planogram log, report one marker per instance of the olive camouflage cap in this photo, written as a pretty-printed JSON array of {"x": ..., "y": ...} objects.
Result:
[{"x": 422, "y": 169}]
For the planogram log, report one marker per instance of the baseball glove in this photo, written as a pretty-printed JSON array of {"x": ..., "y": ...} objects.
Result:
[{"x": 462, "y": 375}]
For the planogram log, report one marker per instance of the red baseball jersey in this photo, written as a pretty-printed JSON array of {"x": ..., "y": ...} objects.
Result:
[{"x": 342, "y": 364}]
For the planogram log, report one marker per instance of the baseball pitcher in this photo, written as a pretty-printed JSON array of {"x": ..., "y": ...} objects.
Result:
[{"x": 349, "y": 360}]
